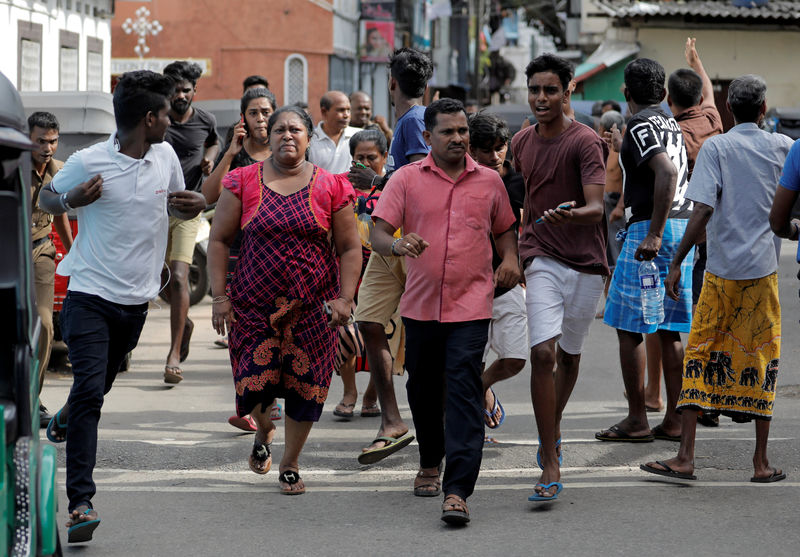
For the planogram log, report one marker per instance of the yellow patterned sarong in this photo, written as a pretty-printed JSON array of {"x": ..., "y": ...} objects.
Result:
[{"x": 731, "y": 362}]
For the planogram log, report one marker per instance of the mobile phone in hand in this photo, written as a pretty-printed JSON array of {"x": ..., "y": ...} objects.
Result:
[{"x": 562, "y": 206}]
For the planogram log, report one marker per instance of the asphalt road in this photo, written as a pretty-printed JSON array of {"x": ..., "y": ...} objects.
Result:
[{"x": 173, "y": 479}]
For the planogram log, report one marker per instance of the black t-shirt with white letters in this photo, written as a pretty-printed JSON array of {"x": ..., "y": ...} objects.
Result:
[{"x": 649, "y": 133}]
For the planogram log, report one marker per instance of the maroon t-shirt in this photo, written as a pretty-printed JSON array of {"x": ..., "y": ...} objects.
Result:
[{"x": 555, "y": 171}]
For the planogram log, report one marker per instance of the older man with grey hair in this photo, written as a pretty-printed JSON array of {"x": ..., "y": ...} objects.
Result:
[{"x": 733, "y": 350}]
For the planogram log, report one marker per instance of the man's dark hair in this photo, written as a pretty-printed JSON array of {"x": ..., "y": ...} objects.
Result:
[
  {"x": 181, "y": 70},
  {"x": 44, "y": 120},
  {"x": 294, "y": 109},
  {"x": 613, "y": 104},
  {"x": 138, "y": 93},
  {"x": 367, "y": 136},
  {"x": 257, "y": 93},
  {"x": 746, "y": 95},
  {"x": 486, "y": 129},
  {"x": 412, "y": 70},
  {"x": 551, "y": 63},
  {"x": 685, "y": 88},
  {"x": 644, "y": 79},
  {"x": 442, "y": 106},
  {"x": 251, "y": 80}
]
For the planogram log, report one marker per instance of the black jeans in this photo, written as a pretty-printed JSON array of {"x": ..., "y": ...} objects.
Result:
[
  {"x": 98, "y": 334},
  {"x": 445, "y": 394}
]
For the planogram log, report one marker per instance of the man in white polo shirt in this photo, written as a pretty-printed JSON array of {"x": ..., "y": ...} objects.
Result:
[
  {"x": 123, "y": 190},
  {"x": 329, "y": 147}
]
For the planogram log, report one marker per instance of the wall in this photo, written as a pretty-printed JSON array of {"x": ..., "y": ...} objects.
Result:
[
  {"x": 239, "y": 38},
  {"x": 727, "y": 54}
]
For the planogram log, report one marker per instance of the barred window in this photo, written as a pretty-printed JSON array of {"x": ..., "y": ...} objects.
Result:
[{"x": 295, "y": 79}]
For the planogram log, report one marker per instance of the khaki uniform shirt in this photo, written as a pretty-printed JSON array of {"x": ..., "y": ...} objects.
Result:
[{"x": 41, "y": 221}]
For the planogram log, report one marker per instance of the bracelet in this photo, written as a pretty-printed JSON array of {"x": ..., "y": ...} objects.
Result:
[
  {"x": 372, "y": 183},
  {"x": 64, "y": 203},
  {"x": 394, "y": 244},
  {"x": 219, "y": 299},
  {"x": 795, "y": 232}
]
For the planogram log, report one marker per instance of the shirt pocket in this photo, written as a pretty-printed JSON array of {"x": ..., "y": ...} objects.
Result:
[{"x": 475, "y": 212}]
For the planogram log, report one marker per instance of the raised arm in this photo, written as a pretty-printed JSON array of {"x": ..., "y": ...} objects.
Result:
[
  {"x": 212, "y": 186},
  {"x": 693, "y": 59}
]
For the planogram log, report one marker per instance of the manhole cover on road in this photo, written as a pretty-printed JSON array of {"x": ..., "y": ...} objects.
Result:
[{"x": 792, "y": 391}]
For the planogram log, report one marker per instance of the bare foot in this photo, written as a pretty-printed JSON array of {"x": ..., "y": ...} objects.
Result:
[{"x": 80, "y": 514}]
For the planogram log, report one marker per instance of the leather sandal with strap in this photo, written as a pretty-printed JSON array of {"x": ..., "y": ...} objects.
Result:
[
  {"x": 427, "y": 485},
  {"x": 454, "y": 510}
]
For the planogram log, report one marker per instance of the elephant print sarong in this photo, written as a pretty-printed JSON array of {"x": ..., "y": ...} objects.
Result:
[{"x": 732, "y": 355}]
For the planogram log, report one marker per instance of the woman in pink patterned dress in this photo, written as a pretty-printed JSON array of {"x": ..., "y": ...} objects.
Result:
[{"x": 298, "y": 229}]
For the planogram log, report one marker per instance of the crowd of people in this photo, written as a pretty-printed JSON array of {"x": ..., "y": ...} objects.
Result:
[{"x": 350, "y": 246}]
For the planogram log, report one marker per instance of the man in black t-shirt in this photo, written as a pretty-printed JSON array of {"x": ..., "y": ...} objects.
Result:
[
  {"x": 508, "y": 330},
  {"x": 193, "y": 135},
  {"x": 654, "y": 169}
]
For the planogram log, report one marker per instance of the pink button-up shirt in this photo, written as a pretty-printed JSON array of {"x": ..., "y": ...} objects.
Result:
[{"x": 452, "y": 280}]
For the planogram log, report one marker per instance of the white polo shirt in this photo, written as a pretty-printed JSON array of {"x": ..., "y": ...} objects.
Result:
[
  {"x": 333, "y": 157},
  {"x": 119, "y": 250}
]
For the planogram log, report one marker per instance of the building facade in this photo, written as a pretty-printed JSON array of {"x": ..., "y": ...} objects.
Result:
[
  {"x": 56, "y": 45},
  {"x": 290, "y": 42}
]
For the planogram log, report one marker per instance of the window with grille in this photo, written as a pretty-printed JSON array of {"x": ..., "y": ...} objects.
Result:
[
  {"x": 68, "y": 61},
  {"x": 29, "y": 62},
  {"x": 30, "y": 68},
  {"x": 295, "y": 79},
  {"x": 94, "y": 64}
]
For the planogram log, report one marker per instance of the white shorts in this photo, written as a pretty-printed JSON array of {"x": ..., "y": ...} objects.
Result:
[
  {"x": 561, "y": 302},
  {"x": 508, "y": 327}
]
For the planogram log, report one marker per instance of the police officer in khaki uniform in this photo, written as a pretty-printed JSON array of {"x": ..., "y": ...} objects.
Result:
[{"x": 44, "y": 130}]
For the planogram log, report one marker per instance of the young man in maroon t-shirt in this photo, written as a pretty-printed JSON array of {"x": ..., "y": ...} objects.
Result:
[{"x": 562, "y": 247}]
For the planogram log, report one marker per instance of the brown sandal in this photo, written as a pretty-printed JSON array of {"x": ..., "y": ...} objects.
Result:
[
  {"x": 454, "y": 510},
  {"x": 427, "y": 485}
]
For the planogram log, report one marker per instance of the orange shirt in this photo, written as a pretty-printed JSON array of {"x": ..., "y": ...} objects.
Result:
[{"x": 452, "y": 281}]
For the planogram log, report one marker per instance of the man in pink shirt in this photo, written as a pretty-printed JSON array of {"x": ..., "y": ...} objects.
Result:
[{"x": 447, "y": 206}]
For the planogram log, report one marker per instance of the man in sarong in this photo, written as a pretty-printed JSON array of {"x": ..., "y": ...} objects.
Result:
[{"x": 733, "y": 350}]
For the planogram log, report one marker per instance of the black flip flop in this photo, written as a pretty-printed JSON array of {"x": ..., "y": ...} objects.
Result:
[
  {"x": 659, "y": 433},
  {"x": 667, "y": 471},
  {"x": 290, "y": 477},
  {"x": 776, "y": 476},
  {"x": 261, "y": 453},
  {"x": 622, "y": 436}
]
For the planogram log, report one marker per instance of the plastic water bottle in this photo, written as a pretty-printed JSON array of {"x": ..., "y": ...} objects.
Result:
[{"x": 652, "y": 293}]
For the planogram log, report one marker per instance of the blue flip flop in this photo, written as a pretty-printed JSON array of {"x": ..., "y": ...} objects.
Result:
[
  {"x": 82, "y": 531},
  {"x": 497, "y": 406},
  {"x": 537, "y": 497},
  {"x": 55, "y": 422},
  {"x": 539, "y": 454}
]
